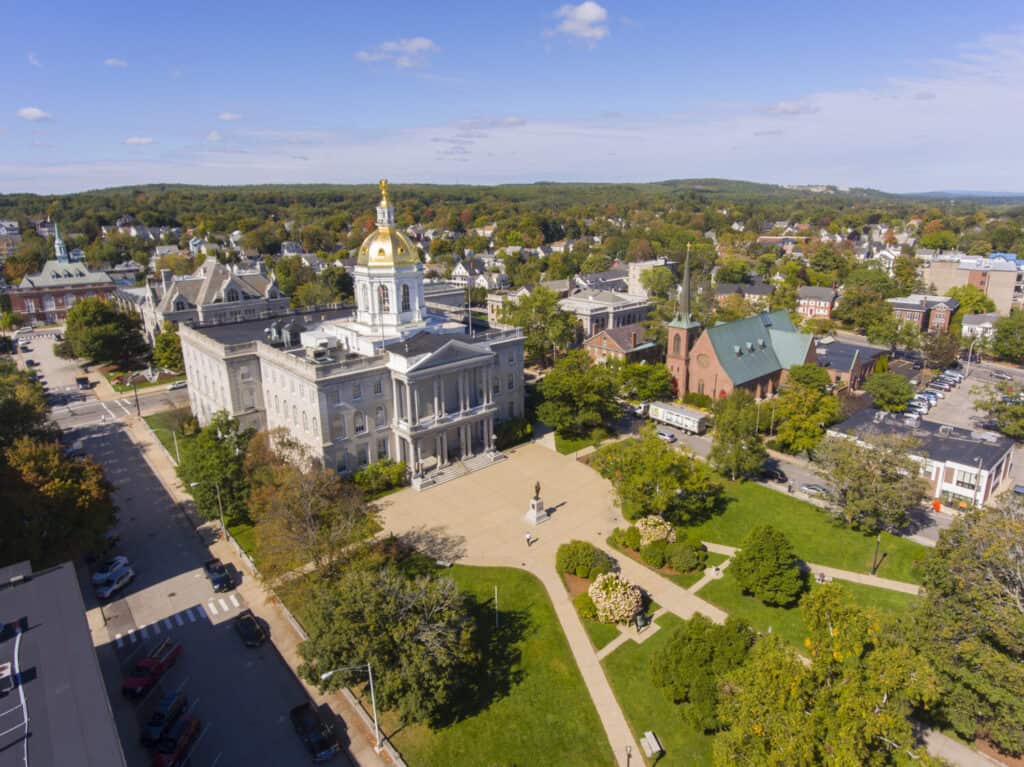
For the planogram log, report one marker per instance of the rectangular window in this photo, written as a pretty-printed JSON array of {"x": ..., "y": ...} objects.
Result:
[
  {"x": 966, "y": 479},
  {"x": 496, "y": 384},
  {"x": 382, "y": 449},
  {"x": 337, "y": 396},
  {"x": 357, "y": 391},
  {"x": 511, "y": 358},
  {"x": 244, "y": 374},
  {"x": 378, "y": 386},
  {"x": 338, "y": 426},
  {"x": 511, "y": 410},
  {"x": 511, "y": 382}
]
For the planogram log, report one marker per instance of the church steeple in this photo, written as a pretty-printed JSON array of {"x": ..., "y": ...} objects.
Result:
[
  {"x": 683, "y": 331},
  {"x": 683, "y": 301},
  {"x": 60, "y": 250}
]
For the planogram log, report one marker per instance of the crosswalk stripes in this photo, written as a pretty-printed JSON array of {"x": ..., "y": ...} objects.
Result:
[{"x": 195, "y": 613}]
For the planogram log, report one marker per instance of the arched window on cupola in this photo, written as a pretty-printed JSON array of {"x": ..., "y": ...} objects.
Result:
[
  {"x": 405, "y": 298},
  {"x": 675, "y": 343},
  {"x": 384, "y": 298}
]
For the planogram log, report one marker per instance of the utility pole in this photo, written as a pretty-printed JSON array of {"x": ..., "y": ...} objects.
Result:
[{"x": 135, "y": 386}]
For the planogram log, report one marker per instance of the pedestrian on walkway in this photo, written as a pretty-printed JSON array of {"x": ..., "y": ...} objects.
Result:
[
  {"x": 789, "y": 488},
  {"x": 529, "y": 540}
]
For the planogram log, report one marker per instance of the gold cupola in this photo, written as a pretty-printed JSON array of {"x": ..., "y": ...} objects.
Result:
[{"x": 387, "y": 247}]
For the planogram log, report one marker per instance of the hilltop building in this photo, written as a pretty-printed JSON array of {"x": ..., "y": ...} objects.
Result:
[{"x": 391, "y": 380}]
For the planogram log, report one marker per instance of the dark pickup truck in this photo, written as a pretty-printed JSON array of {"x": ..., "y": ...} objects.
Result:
[
  {"x": 150, "y": 670},
  {"x": 320, "y": 740},
  {"x": 219, "y": 576}
]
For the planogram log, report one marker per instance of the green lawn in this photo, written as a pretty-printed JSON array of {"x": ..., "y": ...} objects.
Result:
[
  {"x": 546, "y": 717},
  {"x": 140, "y": 384},
  {"x": 566, "y": 445},
  {"x": 647, "y": 708},
  {"x": 787, "y": 622},
  {"x": 164, "y": 423},
  {"x": 811, "y": 530},
  {"x": 245, "y": 535},
  {"x": 685, "y": 580},
  {"x": 600, "y": 633}
]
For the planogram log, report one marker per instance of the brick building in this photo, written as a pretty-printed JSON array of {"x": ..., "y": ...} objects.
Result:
[
  {"x": 931, "y": 314},
  {"x": 628, "y": 343},
  {"x": 814, "y": 302}
]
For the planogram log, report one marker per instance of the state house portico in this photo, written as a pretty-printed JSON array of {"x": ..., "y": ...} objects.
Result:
[{"x": 444, "y": 389}]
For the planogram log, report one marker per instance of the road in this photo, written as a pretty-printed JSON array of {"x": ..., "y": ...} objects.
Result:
[{"x": 242, "y": 696}]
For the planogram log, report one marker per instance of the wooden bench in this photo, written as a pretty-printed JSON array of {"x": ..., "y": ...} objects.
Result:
[{"x": 650, "y": 744}]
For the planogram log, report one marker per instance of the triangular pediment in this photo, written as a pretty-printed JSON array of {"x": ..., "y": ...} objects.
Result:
[{"x": 452, "y": 352}]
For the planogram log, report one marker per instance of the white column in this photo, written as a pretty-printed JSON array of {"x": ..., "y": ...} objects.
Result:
[
  {"x": 460, "y": 381},
  {"x": 396, "y": 400},
  {"x": 416, "y": 405},
  {"x": 440, "y": 387},
  {"x": 488, "y": 395},
  {"x": 444, "y": 449},
  {"x": 436, "y": 412},
  {"x": 408, "y": 403}
]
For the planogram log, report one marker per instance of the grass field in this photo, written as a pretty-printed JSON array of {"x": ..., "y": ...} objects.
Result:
[
  {"x": 245, "y": 535},
  {"x": 166, "y": 422},
  {"x": 647, "y": 708},
  {"x": 787, "y": 622},
  {"x": 811, "y": 530},
  {"x": 566, "y": 445},
  {"x": 545, "y": 716}
]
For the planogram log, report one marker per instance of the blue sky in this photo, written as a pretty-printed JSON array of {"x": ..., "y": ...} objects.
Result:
[{"x": 902, "y": 96}]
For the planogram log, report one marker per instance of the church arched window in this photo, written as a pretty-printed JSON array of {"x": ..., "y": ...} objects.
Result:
[
  {"x": 675, "y": 343},
  {"x": 405, "y": 298},
  {"x": 384, "y": 298}
]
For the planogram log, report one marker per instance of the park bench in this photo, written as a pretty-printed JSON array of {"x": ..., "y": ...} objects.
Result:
[{"x": 650, "y": 744}]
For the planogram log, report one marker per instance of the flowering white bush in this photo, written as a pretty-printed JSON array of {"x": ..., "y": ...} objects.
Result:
[
  {"x": 653, "y": 529},
  {"x": 616, "y": 599}
]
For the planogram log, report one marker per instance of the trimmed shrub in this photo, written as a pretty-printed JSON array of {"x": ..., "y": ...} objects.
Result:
[
  {"x": 381, "y": 476},
  {"x": 698, "y": 400},
  {"x": 680, "y": 557},
  {"x": 513, "y": 432},
  {"x": 653, "y": 554},
  {"x": 653, "y": 529},
  {"x": 616, "y": 599},
  {"x": 585, "y": 606},
  {"x": 631, "y": 538},
  {"x": 582, "y": 559}
]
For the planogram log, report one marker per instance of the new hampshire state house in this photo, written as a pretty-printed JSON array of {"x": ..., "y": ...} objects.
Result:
[{"x": 387, "y": 380}]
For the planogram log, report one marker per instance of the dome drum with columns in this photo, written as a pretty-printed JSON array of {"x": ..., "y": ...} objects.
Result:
[{"x": 388, "y": 274}]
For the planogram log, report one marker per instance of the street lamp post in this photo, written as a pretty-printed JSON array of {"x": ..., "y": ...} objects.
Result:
[
  {"x": 373, "y": 698},
  {"x": 138, "y": 408},
  {"x": 220, "y": 506},
  {"x": 970, "y": 356}
]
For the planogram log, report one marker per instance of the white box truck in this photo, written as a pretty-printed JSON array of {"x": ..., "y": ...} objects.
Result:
[{"x": 687, "y": 419}]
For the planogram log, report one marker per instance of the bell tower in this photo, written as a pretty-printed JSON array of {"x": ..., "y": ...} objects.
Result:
[{"x": 683, "y": 332}]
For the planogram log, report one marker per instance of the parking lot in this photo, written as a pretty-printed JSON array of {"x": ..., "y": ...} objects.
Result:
[{"x": 956, "y": 407}]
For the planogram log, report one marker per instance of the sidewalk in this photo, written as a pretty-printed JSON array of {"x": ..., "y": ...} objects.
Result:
[{"x": 283, "y": 634}]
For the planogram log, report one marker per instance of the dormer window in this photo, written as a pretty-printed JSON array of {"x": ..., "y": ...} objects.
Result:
[
  {"x": 179, "y": 305},
  {"x": 231, "y": 295}
]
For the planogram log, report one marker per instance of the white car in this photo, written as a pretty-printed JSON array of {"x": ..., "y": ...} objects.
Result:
[
  {"x": 108, "y": 568},
  {"x": 999, "y": 375},
  {"x": 177, "y": 385},
  {"x": 118, "y": 580}
]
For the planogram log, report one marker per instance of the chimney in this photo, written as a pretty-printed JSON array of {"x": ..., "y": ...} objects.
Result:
[{"x": 166, "y": 276}]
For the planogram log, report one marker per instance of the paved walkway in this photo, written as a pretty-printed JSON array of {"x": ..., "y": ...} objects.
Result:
[
  {"x": 833, "y": 572},
  {"x": 283, "y": 634}
]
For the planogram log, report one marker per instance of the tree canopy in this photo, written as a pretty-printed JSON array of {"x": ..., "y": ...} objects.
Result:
[
  {"x": 213, "y": 462},
  {"x": 766, "y": 566},
  {"x": 890, "y": 392},
  {"x": 95, "y": 330},
  {"x": 737, "y": 449},
  {"x": 547, "y": 328},
  {"x": 578, "y": 395}
]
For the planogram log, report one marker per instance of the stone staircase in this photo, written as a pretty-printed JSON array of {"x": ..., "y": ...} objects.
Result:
[{"x": 457, "y": 469}]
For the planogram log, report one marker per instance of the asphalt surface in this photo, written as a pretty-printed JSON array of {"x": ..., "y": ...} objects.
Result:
[{"x": 242, "y": 696}]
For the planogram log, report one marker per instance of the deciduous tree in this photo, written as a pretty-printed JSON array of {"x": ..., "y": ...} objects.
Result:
[
  {"x": 890, "y": 391},
  {"x": 167, "y": 348},
  {"x": 546, "y": 326},
  {"x": 940, "y": 349},
  {"x": 214, "y": 458},
  {"x": 737, "y": 448},
  {"x": 95, "y": 330},
  {"x": 578, "y": 395},
  {"x": 1008, "y": 340},
  {"x": 766, "y": 566}
]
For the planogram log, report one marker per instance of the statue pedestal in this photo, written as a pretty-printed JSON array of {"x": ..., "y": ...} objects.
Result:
[{"x": 537, "y": 513}]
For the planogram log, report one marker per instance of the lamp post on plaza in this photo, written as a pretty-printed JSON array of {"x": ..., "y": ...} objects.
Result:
[{"x": 373, "y": 698}]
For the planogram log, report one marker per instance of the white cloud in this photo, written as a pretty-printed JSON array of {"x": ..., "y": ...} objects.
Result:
[
  {"x": 792, "y": 108},
  {"x": 585, "y": 21},
  {"x": 405, "y": 53},
  {"x": 138, "y": 141},
  {"x": 229, "y": 116},
  {"x": 115, "y": 62},
  {"x": 34, "y": 114},
  {"x": 34, "y": 60},
  {"x": 213, "y": 136}
]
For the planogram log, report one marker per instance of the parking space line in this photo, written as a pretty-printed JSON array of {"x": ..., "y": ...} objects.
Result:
[
  {"x": 234, "y": 601},
  {"x": 167, "y": 624},
  {"x": 179, "y": 619},
  {"x": 120, "y": 641},
  {"x": 156, "y": 627},
  {"x": 145, "y": 634},
  {"x": 213, "y": 608},
  {"x": 223, "y": 605},
  {"x": 191, "y": 617}
]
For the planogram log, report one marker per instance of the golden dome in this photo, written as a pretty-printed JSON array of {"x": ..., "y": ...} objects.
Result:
[{"x": 387, "y": 247}]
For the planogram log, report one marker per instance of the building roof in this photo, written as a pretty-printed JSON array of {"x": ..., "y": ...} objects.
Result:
[
  {"x": 758, "y": 346},
  {"x": 923, "y": 302},
  {"x": 623, "y": 337},
  {"x": 606, "y": 298},
  {"x": 743, "y": 289},
  {"x": 980, "y": 319},
  {"x": 814, "y": 293},
  {"x": 46, "y": 637},
  {"x": 938, "y": 442},
  {"x": 838, "y": 355},
  {"x": 229, "y": 333},
  {"x": 209, "y": 283},
  {"x": 55, "y": 274}
]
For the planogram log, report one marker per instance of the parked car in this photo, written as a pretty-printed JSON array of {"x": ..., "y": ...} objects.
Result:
[
  {"x": 940, "y": 385},
  {"x": 318, "y": 736},
  {"x": 918, "y": 365},
  {"x": 24, "y": 344},
  {"x": 173, "y": 749},
  {"x": 177, "y": 385},
  {"x": 931, "y": 396},
  {"x": 150, "y": 670},
  {"x": 108, "y": 569},
  {"x": 82, "y": 383},
  {"x": 30, "y": 363},
  {"x": 936, "y": 391},
  {"x": 166, "y": 713},
  {"x": 219, "y": 576},
  {"x": 813, "y": 490},
  {"x": 953, "y": 374},
  {"x": 249, "y": 629},
  {"x": 999, "y": 375},
  {"x": 117, "y": 581},
  {"x": 667, "y": 436},
  {"x": 774, "y": 473}
]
